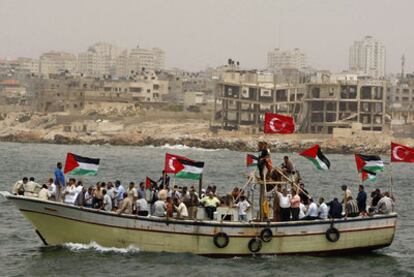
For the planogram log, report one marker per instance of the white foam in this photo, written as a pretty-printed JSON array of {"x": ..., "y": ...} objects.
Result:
[
  {"x": 181, "y": 147},
  {"x": 79, "y": 247}
]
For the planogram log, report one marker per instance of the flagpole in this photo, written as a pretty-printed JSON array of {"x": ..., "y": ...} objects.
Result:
[
  {"x": 391, "y": 181},
  {"x": 200, "y": 185}
]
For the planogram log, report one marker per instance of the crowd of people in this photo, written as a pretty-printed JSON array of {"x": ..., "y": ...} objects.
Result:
[
  {"x": 297, "y": 204},
  {"x": 159, "y": 199}
]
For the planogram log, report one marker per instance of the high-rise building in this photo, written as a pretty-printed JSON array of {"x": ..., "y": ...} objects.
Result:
[
  {"x": 99, "y": 60},
  {"x": 148, "y": 59},
  {"x": 367, "y": 56},
  {"x": 286, "y": 59},
  {"x": 57, "y": 62}
]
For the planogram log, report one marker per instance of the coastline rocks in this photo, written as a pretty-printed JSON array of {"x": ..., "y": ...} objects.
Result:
[{"x": 208, "y": 142}]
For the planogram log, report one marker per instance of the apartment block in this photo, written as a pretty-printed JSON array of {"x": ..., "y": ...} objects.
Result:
[
  {"x": 338, "y": 101},
  {"x": 242, "y": 97},
  {"x": 367, "y": 56},
  {"x": 285, "y": 59},
  {"x": 57, "y": 62}
]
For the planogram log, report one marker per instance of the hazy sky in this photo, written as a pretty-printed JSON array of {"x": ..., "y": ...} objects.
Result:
[{"x": 197, "y": 33}]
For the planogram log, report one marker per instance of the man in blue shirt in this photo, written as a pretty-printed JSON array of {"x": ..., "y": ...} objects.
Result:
[
  {"x": 119, "y": 196},
  {"x": 59, "y": 180},
  {"x": 362, "y": 199}
]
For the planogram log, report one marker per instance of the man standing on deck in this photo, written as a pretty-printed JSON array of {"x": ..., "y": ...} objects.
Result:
[
  {"x": 119, "y": 193},
  {"x": 164, "y": 179},
  {"x": 59, "y": 181},
  {"x": 210, "y": 204},
  {"x": 362, "y": 199},
  {"x": 347, "y": 194}
]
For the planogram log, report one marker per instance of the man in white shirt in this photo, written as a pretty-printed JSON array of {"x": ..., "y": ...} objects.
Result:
[
  {"x": 284, "y": 203},
  {"x": 52, "y": 188},
  {"x": 243, "y": 206},
  {"x": 44, "y": 193},
  {"x": 312, "y": 212},
  {"x": 71, "y": 192},
  {"x": 182, "y": 212},
  {"x": 323, "y": 209},
  {"x": 160, "y": 208},
  {"x": 142, "y": 206},
  {"x": 301, "y": 210},
  {"x": 18, "y": 186},
  {"x": 31, "y": 188},
  {"x": 107, "y": 201}
]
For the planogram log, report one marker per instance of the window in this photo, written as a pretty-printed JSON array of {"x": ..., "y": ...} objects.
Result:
[
  {"x": 156, "y": 86},
  {"x": 148, "y": 90},
  {"x": 135, "y": 89}
]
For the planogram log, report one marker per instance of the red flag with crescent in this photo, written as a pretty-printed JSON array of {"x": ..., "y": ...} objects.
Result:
[
  {"x": 172, "y": 163},
  {"x": 278, "y": 124},
  {"x": 401, "y": 153}
]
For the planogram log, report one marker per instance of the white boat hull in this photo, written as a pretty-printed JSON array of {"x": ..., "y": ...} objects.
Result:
[{"x": 58, "y": 223}]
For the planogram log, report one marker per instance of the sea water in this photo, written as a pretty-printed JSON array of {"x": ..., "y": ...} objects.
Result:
[{"x": 22, "y": 252}]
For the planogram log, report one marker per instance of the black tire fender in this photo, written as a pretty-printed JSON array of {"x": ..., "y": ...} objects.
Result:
[
  {"x": 255, "y": 245},
  {"x": 221, "y": 240},
  {"x": 266, "y": 235},
  {"x": 332, "y": 234}
]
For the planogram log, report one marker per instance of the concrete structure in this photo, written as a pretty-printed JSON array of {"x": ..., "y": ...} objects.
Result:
[
  {"x": 99, "y": 60},
  {"x": 335, "y": 101},
  {"x": 28, "y": 64},
  {"x": 367, "y": 56},
  {"x": 242, "y": 97},
  {"x": 286, "y": 59},
  {"x": 193, "y": 98},
  {"x": 57, "y": 62},
  {"x": 401, "y": 101},
  {"x": 148, "y": 59}
]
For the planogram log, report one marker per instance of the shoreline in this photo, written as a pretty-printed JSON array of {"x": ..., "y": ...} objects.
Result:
[{"x": 329, "y": 146}]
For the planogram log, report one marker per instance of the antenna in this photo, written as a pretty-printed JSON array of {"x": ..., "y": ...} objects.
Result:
[{"x": 402, "y": 66}]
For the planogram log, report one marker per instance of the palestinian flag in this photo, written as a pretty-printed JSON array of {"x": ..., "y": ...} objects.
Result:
[
  {"x": 183, "y": 167},
  {"x": 150, "y": 183},
  {"x": 370, "y": 176},
  {"x": 315, "y": 155},
  {"x": 369, "y": 165},
  {"x": 251, "y": 160},
  {"x": 78, "y": 165}
]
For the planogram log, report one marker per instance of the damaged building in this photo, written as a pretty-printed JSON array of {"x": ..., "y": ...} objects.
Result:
[
  {"x": 242, "y": 97},
  {"x": 338, "y": 101}
]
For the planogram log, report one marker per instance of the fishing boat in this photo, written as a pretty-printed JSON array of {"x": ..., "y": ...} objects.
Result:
[{"x": 58, "y": 223}]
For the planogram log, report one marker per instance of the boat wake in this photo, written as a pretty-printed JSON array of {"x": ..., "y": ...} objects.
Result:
[
  {"x": 93, "y": 246},
  {"x": 182, "y": 147}
]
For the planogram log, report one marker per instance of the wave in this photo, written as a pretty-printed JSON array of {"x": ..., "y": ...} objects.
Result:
[
  {"x": 79, "y": 247},
  {"x": 181, "y": 147}
]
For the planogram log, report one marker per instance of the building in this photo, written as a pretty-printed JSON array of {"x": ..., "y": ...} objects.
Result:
[
  {"x": 65, "y": 94},
  {"x": 285, "y": 59},
  {"x": 57, "y": 62},
  {"x": 147, "y": 59},
  {"x": 28, "y": 64},
  {"x": 338, "y": 101},
  {"x": 99, "y": 59},
  {"x": 401, "y": 101},
  {"x": 193, "y": 99},
  {"x": 367, "y": 56},
  {"x": 146, "y": 87},
  {"x": 243, "y": 96},
  {"x": 20, "y": 65}
]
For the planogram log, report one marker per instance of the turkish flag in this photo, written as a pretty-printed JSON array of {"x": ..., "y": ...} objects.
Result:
[
  {"x": 278, "y": 124},
  {"x": 172, "y": 163},
  {"x": 401, "y": 153}
]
